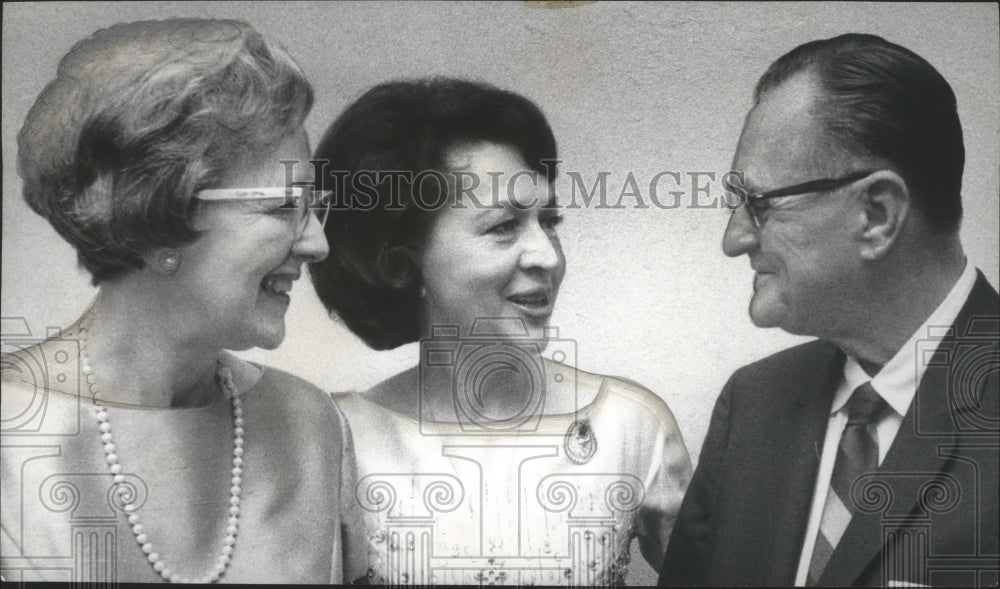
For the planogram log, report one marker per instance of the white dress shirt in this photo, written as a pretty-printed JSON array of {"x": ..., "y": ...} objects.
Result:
[{"x": 897, "y": 384}]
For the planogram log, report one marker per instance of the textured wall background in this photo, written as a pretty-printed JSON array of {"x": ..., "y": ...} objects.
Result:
[{"x": 627, "y": 87}]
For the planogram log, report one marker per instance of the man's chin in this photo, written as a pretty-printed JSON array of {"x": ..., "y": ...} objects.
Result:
[
  {"x": 784, "y": 323},
  {"x": 763, "y": 324},
  {"x": 764, "y": 315}
]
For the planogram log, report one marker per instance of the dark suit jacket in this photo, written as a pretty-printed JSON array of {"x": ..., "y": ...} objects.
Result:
[{"x": 934, "y": 498}]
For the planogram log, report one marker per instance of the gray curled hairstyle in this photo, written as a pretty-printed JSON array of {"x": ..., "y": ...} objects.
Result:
[{"x": 140, "y": 117}]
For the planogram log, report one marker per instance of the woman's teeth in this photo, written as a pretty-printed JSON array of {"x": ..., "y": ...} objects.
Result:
[
  {"x": 537, "y": 300},
  {"x": 278, "y": 285}
]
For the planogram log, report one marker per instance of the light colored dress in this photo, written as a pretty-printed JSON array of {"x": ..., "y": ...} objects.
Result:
[
  {"x": 449, "y": 505},
  {"x": 61, "y": 523}
]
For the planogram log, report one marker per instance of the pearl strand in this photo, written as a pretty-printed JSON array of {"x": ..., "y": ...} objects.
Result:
[{"x": 224, "y": 377}]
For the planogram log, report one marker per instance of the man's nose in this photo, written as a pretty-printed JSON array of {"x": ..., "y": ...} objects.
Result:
[{"x": 741, "y": 235}]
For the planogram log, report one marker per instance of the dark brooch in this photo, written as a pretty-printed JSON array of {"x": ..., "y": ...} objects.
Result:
[{"x": 579, "y": 442}]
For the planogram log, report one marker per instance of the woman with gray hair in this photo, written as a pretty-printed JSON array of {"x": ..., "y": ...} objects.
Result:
[{"x": 161, "y": 152}]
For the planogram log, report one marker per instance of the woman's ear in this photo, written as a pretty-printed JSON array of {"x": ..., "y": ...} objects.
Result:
[
  {"x": 165, "y": 261},
  {"x": 886, "y": 201},
  {"x": 398, "y": 266}
]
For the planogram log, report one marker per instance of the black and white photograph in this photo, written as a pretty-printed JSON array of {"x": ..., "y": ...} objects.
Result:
[{"x": 559, "y": 293}]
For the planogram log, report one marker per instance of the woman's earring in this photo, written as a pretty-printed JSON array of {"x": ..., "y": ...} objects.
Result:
[{"x": 169, "y": 261}]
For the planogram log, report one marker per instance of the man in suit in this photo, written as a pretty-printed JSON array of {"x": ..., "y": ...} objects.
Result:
[{"x": 868, "y": 456}]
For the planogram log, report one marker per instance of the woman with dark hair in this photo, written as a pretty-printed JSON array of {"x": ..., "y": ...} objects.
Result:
[
  {"x": 137, "y": 448},
  {"x": 486, "y": 462}
]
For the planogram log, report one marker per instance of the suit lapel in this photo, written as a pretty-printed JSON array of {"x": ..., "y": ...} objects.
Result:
[
  {"x": 913, "y": 459},
  {"x": 795, "y": 463}
]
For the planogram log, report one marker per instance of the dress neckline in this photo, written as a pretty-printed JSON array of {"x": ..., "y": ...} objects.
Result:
[
  {"x": 248, "y": 375},
  {"x": 549, "y": 424}
]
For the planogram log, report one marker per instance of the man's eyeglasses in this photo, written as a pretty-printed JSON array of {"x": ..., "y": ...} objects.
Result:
[
  {"x": 737, "y": 197},
  {"x": 298, "y": 201}
]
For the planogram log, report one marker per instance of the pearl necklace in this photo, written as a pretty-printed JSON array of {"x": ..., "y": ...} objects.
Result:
[{"x": 224, "y": 378}]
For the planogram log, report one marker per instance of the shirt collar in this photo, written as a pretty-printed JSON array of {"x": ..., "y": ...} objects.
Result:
[{"x": 897, "y": 382}]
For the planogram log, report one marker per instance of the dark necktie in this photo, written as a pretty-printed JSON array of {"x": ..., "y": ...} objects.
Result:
[{"x": 856, "y": 455}]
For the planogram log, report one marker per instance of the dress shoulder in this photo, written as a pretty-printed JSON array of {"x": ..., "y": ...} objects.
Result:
[
  {"x": 352, "y": 402},
  {"x": 627, "y": 395},
  {"x": 368, "y": 417},
  {"x": 274, "y": 381},
  {"x": 341, "y": 397},
  {"x": 296, "y": 397}
]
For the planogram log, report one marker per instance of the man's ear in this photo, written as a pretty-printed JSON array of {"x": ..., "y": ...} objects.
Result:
[{"x": 886, "y": 201}]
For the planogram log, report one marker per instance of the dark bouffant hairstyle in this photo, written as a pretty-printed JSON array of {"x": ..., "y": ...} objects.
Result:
[
  {"x": 377, "y": 230},
  {"x": 140, "y": 117},
  {"x": 882, "y": 101}
]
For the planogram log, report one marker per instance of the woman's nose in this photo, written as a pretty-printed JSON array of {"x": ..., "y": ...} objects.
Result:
[
  {"x": 312, "y": 245},
  {"x": 541, "y": 249}
]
